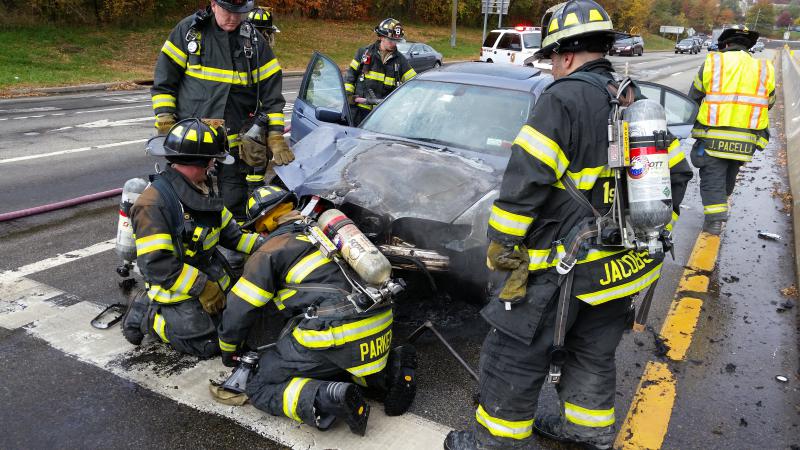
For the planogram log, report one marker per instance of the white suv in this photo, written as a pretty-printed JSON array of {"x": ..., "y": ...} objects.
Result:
[{"x": 511, "y": 45}]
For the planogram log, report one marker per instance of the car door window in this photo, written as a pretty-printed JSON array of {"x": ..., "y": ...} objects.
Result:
[
  {"x": 427, "y": 49},
  {"x": 491, "y": 38},
  {"x": 324, "y": 86},
  {"x": 510, "y": 41}
]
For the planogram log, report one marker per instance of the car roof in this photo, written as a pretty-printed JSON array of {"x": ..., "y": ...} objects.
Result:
[{"x": 486, "y": 74}]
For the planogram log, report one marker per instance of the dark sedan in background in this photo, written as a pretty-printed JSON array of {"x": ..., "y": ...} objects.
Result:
[
  {"x": 629, "y": 46},
  {"x": 687, "y": 45},
  {"x": 421, "y": 56}
]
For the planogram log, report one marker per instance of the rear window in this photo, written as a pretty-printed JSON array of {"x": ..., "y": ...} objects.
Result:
[
  {"x": 626, "y": 41},
  {"x": 687, "y": 41},
  {"x": 532, "y": 40},
  {"x": 491, "y": 39},
  {"x": 510, "y": 41}
]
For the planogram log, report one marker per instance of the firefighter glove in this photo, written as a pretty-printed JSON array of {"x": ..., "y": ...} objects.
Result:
[
  {"x": 212, "y": 298},
  {"x": 252, "y": 152},
  {"x": 281, "y": 153},
  {"x": 225, "y": 396},
  {"x": 164, "y": 122},
  {"x": 516, "y": 284},
  {"x": 505, "y": 257}
]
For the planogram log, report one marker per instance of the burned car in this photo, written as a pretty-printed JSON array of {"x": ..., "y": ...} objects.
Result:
[{"x": 420, "y": 173}]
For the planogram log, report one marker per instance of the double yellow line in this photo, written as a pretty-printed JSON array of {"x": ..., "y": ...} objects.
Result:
[{"x": 647, "y": 420}]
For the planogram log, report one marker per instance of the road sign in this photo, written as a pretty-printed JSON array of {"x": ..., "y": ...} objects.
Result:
[
  {"x": 785, "y": 35},
  {"x": 690, "y": 32},
  {"x": 670, "y": 29},
  {"x": 494, "y": 6}
]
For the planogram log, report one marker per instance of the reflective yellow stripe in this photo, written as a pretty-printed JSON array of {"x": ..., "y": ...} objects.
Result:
[
  {"x": 410, "y": 73},
  {"x": 226, "y": 217},
  {"x": 514, "y": 429},
  {"x": 370, "y": 368},
  {"x": 234, "y": 141},
  {"x": 224, "y": 281},
  {"x": 377, "y": 76},
  {"x": 349, "y": 87},
  {"x": 364, "y": 106},
  {"x": 185, "y": 280},
  {"x": 267, "y": 70},
  {"x": 246, "y": 243},
  {"x": 161, "y": 295},
  {"x": 538, "y": 257},
  {"x": 282, "y": 296},
  {"x": 160, "y": 326},
  {"x": 174, "y": 53},
  {"x": 254, "y": 179},
  {"x": 354, "y": 64},
  {"x": 147, "y": 244},
  {"x": 275, "y": 118},
  {"x": 672, "y": 223},
  {"x": 291, "y": 395},
  {"x": 211, "y": 239},
  {"x": 698, "y": 83},
  {"x": 542, "y": 148},
  {"x": 715, "y": 209},
  {"x": 623, "y": 290},
  {"x": 225, "y": 347},
  {"x": 730, "y": 135},
  {"x": 676, "y": 155},
  {"x": 249, "y": 292},
  {"x": 728, "y": 155},
  {"x": 214, "y": 74},
  {"x": 305, "y": 266},
  {"x": 588, "y": 417},
  {"x": 586, "y": 178},
  {"x": 508, "y": 222},
  {"x": 163, "y": 101},
  {"x": 389, "y": 81},
  {"x": 350, "y": 332}
]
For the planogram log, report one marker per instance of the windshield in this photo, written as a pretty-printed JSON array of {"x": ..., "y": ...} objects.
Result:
[
  {"x": 628, "y": 41},
  {"x": 687, "y": 41},
  {"x": 478, "y": 118},
  {"x": 532, "y": 40},
  {"x": 403, "y": 47}
]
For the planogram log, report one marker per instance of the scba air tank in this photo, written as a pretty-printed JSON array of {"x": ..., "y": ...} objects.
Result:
[
  {"x": 361, "y": 254},
  {"x": 649, "y": 186},
  {"x": 126, "y": 245}
]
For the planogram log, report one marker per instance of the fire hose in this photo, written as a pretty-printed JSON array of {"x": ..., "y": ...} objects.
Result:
[{"x": 58, "y": 205}]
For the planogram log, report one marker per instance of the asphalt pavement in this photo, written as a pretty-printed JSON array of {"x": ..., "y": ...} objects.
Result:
[{"x": 92, "y": 389}]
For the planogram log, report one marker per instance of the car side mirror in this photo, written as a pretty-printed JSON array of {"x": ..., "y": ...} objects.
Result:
[
  {"x": 681, "y": 110},
  {"x": 329, "y": 115}
]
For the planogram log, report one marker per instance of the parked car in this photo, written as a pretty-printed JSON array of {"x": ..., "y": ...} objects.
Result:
[
  {"x": 706, "y": 43},
  {"x": 630, "y": 46},
  {"x": 511, "y": 45},
  {"x": 758, "y": 47},
  {"x": 713, "y": 47},
  {"x": 420, "y": 173},
  {"x": 687, "y": 45},
  {"x": 421, "y": 56}
]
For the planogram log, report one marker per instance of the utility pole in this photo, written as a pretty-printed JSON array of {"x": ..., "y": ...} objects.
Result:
[
  {"x": 758, "y": 13},
  {"x": 500, "y": 15},
  {"x": 485, "y": 19},
  {"x": 453, "y": 24}
]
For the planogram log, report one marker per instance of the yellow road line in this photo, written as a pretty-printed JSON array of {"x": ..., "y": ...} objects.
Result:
[{"x": 648, "y": 418}]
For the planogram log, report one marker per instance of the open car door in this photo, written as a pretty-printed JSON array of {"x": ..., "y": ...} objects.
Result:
[
  {"x": 681, "y": 110},
  {"x": 321, "y": 100}
]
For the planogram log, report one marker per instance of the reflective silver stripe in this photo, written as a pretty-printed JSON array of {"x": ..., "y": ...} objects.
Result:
[
  {"x": 738, "y": 136},
  {"x": 514, "y": 429},
  {"x": 508, "y": 222},
  {"x": 542, "y": 148},
  {"x": 588, "y": 417},
  {"x": 343, "y": 334},
  {"x": 715, "y": 209},
  {"x": 185, "y": 280},
  {"x": 161, "y": 295},
  {"x": 762, "y": 82},
  {"x": 251, "y": 293},
  {"x": 305, "y": 266},
  {"x": 291, "y": 395},
  {"x": 713, "y": 113},
  {"x": 370, "y": 368},
  {"x": 737, "y": 98},
  {"x": 716, "y": 74},
  {"x": 160, "y": 327}
]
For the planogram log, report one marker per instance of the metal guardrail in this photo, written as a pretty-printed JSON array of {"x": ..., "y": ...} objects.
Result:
[{"x": 790, "y": 81}]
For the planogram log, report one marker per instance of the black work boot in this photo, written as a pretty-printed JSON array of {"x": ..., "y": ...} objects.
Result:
[
  {"x": 401, "y": 381},
  {"x": 341, "y": 400},
  {"x": 551, "y": 427},
  {"x": 460, "y": 440},
  {"x": 713, "y": 227},
  {"x": 133, "y": 322}
]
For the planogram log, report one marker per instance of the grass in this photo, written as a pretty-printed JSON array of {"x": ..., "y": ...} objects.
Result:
[
  {"x": 655, "y": 42},
  {"x": 58, "y": 56}
]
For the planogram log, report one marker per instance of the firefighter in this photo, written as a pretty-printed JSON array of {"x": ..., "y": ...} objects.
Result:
[
  {"x": 735, "y": 92},
  {"x": 261, "y": 18},
  {"x": 532, "y": 224},
  {"x": 214, "y": 65},
  {"x": 327, "y": 349},
  {"x": 178, "y": 222},
  {"x": 377, "y": 70}
]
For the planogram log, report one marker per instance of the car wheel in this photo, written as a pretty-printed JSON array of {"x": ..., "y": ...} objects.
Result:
[
  {"x": 489, "y": 61},
  {"x": 437, "y": 64}
]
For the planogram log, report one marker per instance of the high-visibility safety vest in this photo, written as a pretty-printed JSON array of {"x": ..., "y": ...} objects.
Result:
[{"x": 733, "y": 119}]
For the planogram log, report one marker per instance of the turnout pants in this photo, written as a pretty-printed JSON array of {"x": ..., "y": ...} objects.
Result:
[
  {"x": 289, "y": 374},
  {"x": 185, "y": 326},
  {"x": 512, "y": 373},
  {"x": 233, "y": 187},
  {"x": 717, "y": 180}
]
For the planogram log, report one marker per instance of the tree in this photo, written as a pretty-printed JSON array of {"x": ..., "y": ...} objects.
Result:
[
  {"x": 784, "y": 19},
  {"x": 761, "y": 16},
  {"x": 725, "y": 16}
]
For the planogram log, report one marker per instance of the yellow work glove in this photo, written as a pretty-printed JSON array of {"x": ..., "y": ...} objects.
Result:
[
  {"x": 513, "y": 260},
  {"x": 164, "y": 122},
  {"x": 212, "y": 298},
  {"x": 281, "y": 153},
  {"x": 252, "y": 152}
]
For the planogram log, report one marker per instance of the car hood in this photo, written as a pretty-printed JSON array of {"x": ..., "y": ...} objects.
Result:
[{"x": 391, "y": 178}]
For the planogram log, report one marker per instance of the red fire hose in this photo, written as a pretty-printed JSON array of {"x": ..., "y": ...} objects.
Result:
[{"x": 58, "y": 205}]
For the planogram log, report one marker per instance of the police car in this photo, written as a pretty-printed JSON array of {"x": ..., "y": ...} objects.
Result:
[{"x": 511, "y": 45}]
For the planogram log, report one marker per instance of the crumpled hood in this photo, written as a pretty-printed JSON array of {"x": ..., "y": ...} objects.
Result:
[{"x": 388, "y": 177}]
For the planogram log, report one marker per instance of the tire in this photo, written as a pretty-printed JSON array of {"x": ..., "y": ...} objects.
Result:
[
  {"x": 489, "y": 61},
  {"x": 437, "y": 64}
]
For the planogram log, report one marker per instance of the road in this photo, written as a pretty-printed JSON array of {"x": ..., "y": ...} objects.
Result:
[{"x": 90, "y": 388}]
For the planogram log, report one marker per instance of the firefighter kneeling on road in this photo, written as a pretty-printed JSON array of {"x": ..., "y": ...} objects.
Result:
[
  {"x": 557, "y": 177},
  {"x": 178, "y": 222},
  {"x": 328, "y": 348},
  {"x": 377, "y": 70},
  {"x": 735, "y": 92}
]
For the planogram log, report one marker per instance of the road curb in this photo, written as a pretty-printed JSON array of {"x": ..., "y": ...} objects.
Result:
[{"x": 790, "y": 80}]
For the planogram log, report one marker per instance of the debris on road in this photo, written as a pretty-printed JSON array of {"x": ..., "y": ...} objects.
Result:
[
  {"x": 730, "y": 368},
  {"x": 769, "y": 236},
  {"x": 790, "y": 291},
  {"x": 784, "y": 306},
  {"x": 781, "y": 378}
]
